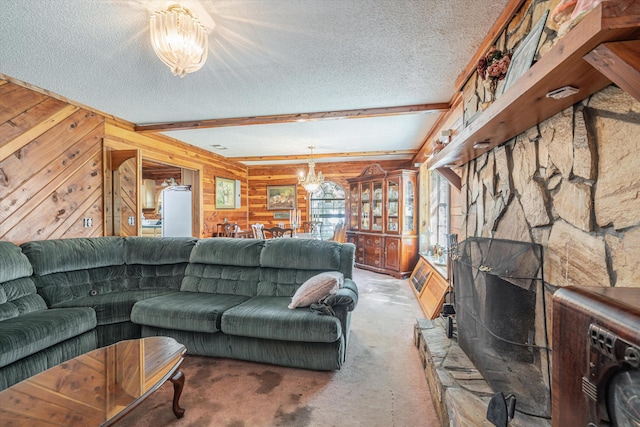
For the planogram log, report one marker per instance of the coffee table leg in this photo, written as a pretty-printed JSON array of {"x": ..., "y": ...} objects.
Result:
[{"x": 178, "y": 384}]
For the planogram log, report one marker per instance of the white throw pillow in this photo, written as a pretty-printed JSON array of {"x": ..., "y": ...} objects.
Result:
[{"x": 316, "y": 288}]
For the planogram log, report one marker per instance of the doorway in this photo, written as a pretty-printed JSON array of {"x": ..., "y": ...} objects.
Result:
[
  {"x": 157, "y": 176},
  {"x": 132, "y": 188}
]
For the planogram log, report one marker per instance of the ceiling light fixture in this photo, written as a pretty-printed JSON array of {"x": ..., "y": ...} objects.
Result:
[
  {"x": 311, "y": 182},
  {"x": 179, "y": 40}
]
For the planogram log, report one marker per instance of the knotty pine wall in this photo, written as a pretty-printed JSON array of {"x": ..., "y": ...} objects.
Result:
[
  {"x": 260, "y": 177},
  {"x": 51, "y": 169},
  {"x": 51, "y": 166}
]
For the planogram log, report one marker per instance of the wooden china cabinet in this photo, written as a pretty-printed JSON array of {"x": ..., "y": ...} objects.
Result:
[{"x": 382, "y": 220}]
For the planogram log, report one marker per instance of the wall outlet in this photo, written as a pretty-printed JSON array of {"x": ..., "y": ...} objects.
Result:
[
  {"x": 87, "y": 222},
  {"x": 132, "y": 220}
]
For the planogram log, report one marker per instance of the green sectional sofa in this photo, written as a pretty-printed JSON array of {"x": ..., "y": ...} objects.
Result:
[
  {"x": 234, "y": 296},
  {"x": 220, "y": 297},
  {"x": 33, "y": 337},
  {"x": 108, "y": 274}
]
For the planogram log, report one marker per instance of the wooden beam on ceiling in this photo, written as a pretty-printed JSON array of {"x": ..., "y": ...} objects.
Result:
[
  {"x": 297, "y": 117},
  {"x": 305, "y": 157}
]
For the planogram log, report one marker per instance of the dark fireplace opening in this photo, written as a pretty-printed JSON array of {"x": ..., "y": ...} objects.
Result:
[{"x": 501, "y": 314}]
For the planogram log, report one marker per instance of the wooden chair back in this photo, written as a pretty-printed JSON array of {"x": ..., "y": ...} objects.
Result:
[
  {"x": 339, "y": 233},
  {"x": 230, "y": 230},
  {"x": 278, "y": 232},
  {"x": 258, "y": 231},
  {"x": 312, "y": 227}
]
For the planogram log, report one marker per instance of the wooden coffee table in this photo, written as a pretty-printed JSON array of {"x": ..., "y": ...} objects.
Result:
[{"x": 97, "y": 388}]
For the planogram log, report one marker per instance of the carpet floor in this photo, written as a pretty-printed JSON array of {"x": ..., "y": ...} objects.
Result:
[{"x": 381, "y": 383}]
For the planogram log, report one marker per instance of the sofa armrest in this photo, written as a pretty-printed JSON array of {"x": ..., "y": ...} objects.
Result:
[{"x": 347, "y": 295}]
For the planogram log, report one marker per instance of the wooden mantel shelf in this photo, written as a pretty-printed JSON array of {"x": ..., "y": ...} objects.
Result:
[{"x": 525, "y": 103}]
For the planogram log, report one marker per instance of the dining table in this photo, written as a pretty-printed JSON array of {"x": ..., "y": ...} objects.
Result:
[
  {"x": 244, "y": 234},
  {"x": 312, "y": 236}
]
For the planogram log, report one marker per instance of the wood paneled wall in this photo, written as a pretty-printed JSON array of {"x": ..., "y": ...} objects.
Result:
[
  {"x": 262, "y": 176},
  {"x": 50, "y": 167}
]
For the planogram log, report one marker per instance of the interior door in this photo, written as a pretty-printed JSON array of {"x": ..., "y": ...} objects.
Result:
[{"x": 125, "y": 166}]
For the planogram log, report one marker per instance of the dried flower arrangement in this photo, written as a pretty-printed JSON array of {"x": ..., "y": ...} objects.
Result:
[{"x": 493, "y": 67}]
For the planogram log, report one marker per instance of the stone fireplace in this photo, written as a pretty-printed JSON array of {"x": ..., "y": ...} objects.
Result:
[
  {"x": 569, "y": 184},
  {"x": 501, "y": 305}
]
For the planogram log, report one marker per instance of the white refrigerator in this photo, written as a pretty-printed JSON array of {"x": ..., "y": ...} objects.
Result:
[{"x": 176, "y": 211}]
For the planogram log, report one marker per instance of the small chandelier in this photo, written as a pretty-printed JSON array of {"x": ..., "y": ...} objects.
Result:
[
  {"x": 179, "y": 40},
  {"x": 311, "y": 182}
]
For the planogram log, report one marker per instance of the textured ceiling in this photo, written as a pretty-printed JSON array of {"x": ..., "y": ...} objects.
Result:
[{"x": 266, "y": 57}]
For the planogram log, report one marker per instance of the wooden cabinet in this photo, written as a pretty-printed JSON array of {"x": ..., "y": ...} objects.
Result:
[
  {"x": 430, "y": 286},
  {"x": 151, "y": 231},
  {"x": 382, "y": 221}
]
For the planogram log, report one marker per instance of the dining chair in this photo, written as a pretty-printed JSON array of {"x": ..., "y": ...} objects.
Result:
[
  {"x": 312, "y": 227},
  {"x": 339, "y": 233},
  {"x": 230, "y": 230},
  {"x": 258, "y": 232},
  {"x": 278, "y": 232}
]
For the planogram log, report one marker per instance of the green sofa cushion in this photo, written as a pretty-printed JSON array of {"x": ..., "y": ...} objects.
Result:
[
  {"x": 269, "y": 318},
  {"x": 65, "y": 286},
  {"x": 158, "y": 251},
  {"x": 47, "y": 358},
  {"x": 221, "y": 279},
  {"x": 114, "y": 307},
  {"x": 301, "y": 254},
  {"x": 283, "y": 282},
  {"x": 227, "y": 251},
  {"x": 189, "y": 311},
  {"x": 30, "y": 333},
  {"x": 13, "y": 263},
  {"x": 18, "y": 297},
  {"x": 168, "y": 276},
  {"x": 53, "y": 256}
]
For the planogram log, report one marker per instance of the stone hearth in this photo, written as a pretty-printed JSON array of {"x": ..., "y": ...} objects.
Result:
[{"x": 459, "y": 392}]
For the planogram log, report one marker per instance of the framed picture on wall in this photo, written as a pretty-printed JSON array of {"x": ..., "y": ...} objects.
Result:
[
  {"x": 225, "y": 193},
  {"x": 282, "y": 215},
  {"x": 281, "y": 197},
  {"x": 524, "y": 54}
]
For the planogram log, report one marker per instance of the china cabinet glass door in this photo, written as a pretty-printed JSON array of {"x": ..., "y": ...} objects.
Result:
[
  {"x": 376, "y": 207},
  {"x": 354, "y": 204},
  {"x": 393, "y": 205},
  {"x": 409, "y": 221},
  {"x": 365, "y": 206}
]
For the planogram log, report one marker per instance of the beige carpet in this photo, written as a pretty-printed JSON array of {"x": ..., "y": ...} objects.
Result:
[{"x": 381, "y": 383}]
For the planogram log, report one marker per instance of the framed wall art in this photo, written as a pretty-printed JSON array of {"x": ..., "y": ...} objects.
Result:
[
  {"x": 281, "y": 197},
  {"x": 524, "y": 54},
  {"x": 225, "y": 193},
  {"x": 282, "y": 215}
]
